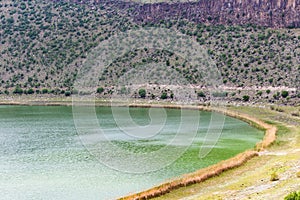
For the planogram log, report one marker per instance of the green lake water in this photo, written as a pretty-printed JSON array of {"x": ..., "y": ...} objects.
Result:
[{"x": 43, "y": 157}]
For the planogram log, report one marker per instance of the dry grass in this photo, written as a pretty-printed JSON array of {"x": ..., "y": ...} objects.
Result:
[{"x": 196, "y": 177}]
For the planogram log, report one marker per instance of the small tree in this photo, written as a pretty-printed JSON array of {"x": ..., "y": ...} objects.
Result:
[
  {"x": 172, "y": 95},
  {"x": 18, "y": 90},
  {"x": 30, "y": 91},
  {"x": 201, "y": 94},
  {"x": 44, "y": 91},
  {"x": 164, "y": 95},
  {"x": 246, "y": 98},
  {"x": 68, "y": 93},
  {"x": 284, "y": 94},
  {"x": 274, "y": 176},
  {"x": 142, "y": 93},
  {"x": 100, "y": 90}
]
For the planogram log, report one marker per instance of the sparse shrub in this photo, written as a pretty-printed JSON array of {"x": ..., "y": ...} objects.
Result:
[
  {"x": 246, "y": 98},
  {"x": 172, "y": 95},
  {"x": 279, "y": 110},
  {"x": 44, "y": 91},
  {"x": 274, "y": 176},
  {"x": 124, "y": 90},
  {"x": 296, "y": 114},
  {"x": 164, "y": 95},
  {"x": 142, "y": 93},
  {"x": 201, "y": 94},
  {"x": 100, "y": 90},
  {"x": 68, "y": 93},
  {"x": 276, "y": 96},
  {"x": 268, "y": 91},
  {"x": 284, "y": 94},
  {"x": 293, "y": 196},
  {"x": 18, "y": 90},
  {"x": 220, "y": 94},
  {"x": 259, "y": 93},
  {"x": 30, "y": 91}
]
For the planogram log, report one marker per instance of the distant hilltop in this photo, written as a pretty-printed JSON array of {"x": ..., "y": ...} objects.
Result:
[{"x": 268, "y": 13}]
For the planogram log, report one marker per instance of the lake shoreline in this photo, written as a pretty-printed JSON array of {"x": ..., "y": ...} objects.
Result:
[
  {"x": 187, "y": 179},
  {"x": 214, "y": 170}
]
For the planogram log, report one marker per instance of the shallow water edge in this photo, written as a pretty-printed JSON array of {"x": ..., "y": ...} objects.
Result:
[{"x": 195, "y": 177}]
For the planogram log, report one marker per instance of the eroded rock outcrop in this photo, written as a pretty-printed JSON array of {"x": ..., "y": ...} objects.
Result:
[{"x": 270, "y": 13}]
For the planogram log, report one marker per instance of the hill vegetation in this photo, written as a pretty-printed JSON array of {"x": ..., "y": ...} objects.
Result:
[{"x": 44, "y": 43}]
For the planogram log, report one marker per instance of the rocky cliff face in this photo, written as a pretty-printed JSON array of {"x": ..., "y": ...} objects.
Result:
[{"x": 270, "y": 13}]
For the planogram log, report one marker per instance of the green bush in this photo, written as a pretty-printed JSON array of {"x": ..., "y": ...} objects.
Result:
[
  {"x": 293, "y": 196},
  {"x": 201, "y": 94},
  {"x": 100, "y": 90},
  {"x": 274, "y": 176},
  {"x": 44, "y": 91},
  {"x": 142, "y": 93},
  {"x": 284, "y": 94},
  {"x": 172, "y": 95},
  {"x": 259, "y": 93},
  {"x": 30, "y": 91},
  {"x": 246, "y": 98},
  {"x": 18, "y": 90},
  {"x": 164, "y": 95},
  {"x": 68, "y": 93}
]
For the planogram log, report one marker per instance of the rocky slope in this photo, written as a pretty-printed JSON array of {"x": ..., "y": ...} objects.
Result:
[{"x": 270, "y": 13}]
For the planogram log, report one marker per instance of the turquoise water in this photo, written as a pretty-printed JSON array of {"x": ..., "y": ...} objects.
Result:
[{"x": 43, "y": 157}]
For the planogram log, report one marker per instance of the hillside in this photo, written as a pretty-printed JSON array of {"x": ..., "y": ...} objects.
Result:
[{"x": 44, "y": 45}]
